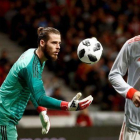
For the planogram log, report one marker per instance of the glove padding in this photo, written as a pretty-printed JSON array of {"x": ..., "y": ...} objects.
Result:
[
  {"x": 45, "y": 122},
  {"x": 76, "y": 104}
]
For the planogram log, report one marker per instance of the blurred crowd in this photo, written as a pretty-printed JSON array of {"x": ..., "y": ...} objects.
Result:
[{"x": 112, "y": 22}]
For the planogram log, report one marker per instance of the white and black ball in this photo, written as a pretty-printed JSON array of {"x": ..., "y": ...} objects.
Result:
[{"x": 89, "y": 50}]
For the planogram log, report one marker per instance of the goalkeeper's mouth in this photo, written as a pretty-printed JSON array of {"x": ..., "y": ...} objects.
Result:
[{"x": 56, "y": 53}]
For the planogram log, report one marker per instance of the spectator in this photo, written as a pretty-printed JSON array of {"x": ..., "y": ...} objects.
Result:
[
  {"x": 4, "y": 58},
  {"x": 111, "y": 22},
  {"x": 83, "y": 119},
  {"x": 57, "y": 94}
]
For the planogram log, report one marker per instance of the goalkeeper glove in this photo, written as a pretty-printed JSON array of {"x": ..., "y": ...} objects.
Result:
[
  {"x": 76, "y": 104},
  {"x": 45, "y": 122},
  {"x": 44, "y": 119}
]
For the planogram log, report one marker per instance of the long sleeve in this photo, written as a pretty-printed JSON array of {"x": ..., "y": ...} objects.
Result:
[
  {"x": 119, "y": 69},
  {"x": 33, "y": 101},
  {"x": 33, "y": 77},
  {"x": 38, "y": 108}
]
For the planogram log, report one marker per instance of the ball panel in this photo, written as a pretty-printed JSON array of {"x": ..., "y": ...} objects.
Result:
[
  {"x": 86, "y": 43},
  {"x": 92, "y": 58},
  {"x": 97, "y": 47},
  {"x": 81, "y": 53}
]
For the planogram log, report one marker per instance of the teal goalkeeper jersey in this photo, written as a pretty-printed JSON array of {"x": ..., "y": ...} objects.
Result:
[{"x": 24, "y": 83}]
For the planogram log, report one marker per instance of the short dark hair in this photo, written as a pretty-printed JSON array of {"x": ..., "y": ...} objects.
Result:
[{"x": 43, "y": 33}]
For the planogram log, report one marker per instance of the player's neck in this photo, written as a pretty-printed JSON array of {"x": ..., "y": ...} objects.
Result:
[{"x": 40, "y": 55}]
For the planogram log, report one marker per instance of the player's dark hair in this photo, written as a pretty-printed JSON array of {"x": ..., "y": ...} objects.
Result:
[{"x": 43, "y": 33}]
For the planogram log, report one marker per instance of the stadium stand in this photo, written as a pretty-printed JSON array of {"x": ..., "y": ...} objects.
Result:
[{"x": 111, "y": 22}]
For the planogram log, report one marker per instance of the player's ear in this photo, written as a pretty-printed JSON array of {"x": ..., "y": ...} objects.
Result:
[{"x": 42, "y": 43}]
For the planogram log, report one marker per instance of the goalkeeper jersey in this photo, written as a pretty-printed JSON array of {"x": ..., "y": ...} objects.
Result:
[
  {"x": 128, "y": 59},
  {"x": 23, "y": 82}
]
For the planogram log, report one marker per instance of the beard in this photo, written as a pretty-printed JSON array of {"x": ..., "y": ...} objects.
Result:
[{"x": 47, "y": 53}]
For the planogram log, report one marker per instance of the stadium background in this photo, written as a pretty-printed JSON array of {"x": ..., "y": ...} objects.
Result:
[{"x": 112, "y": 22}]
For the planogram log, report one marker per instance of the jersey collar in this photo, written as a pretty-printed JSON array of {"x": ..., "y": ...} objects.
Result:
[{"x": 37, "y": 57}]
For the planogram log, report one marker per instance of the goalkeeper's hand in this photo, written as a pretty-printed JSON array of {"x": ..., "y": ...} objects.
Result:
[
  {"x": 77, "y": 104},
  {"x": 45, "y": 122},
  {"x": 44, "y": 119}
]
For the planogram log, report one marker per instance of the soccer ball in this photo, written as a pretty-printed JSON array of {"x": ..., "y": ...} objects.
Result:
[{"x": 89, "y": 50}]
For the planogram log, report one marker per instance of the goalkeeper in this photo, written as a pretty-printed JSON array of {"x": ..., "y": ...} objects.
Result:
[{"x": 24, "y": 83}]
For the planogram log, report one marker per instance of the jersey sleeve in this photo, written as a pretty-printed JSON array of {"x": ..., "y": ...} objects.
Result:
[
  {"x": 38, "y": 108},
  {"x": 34, "y": 81},
  {"x": 34, "y": 101},
  {"x": 119, "y": 69}
]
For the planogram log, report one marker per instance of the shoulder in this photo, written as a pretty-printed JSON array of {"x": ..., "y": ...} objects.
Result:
[
  {"x": 26, "y": 58},
  {"x": 135, "y": 39},
  {"x": 134, "y": 45}
]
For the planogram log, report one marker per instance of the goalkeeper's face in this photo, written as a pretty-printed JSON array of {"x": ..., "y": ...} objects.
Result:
[{"x": 52, "y": 47}]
